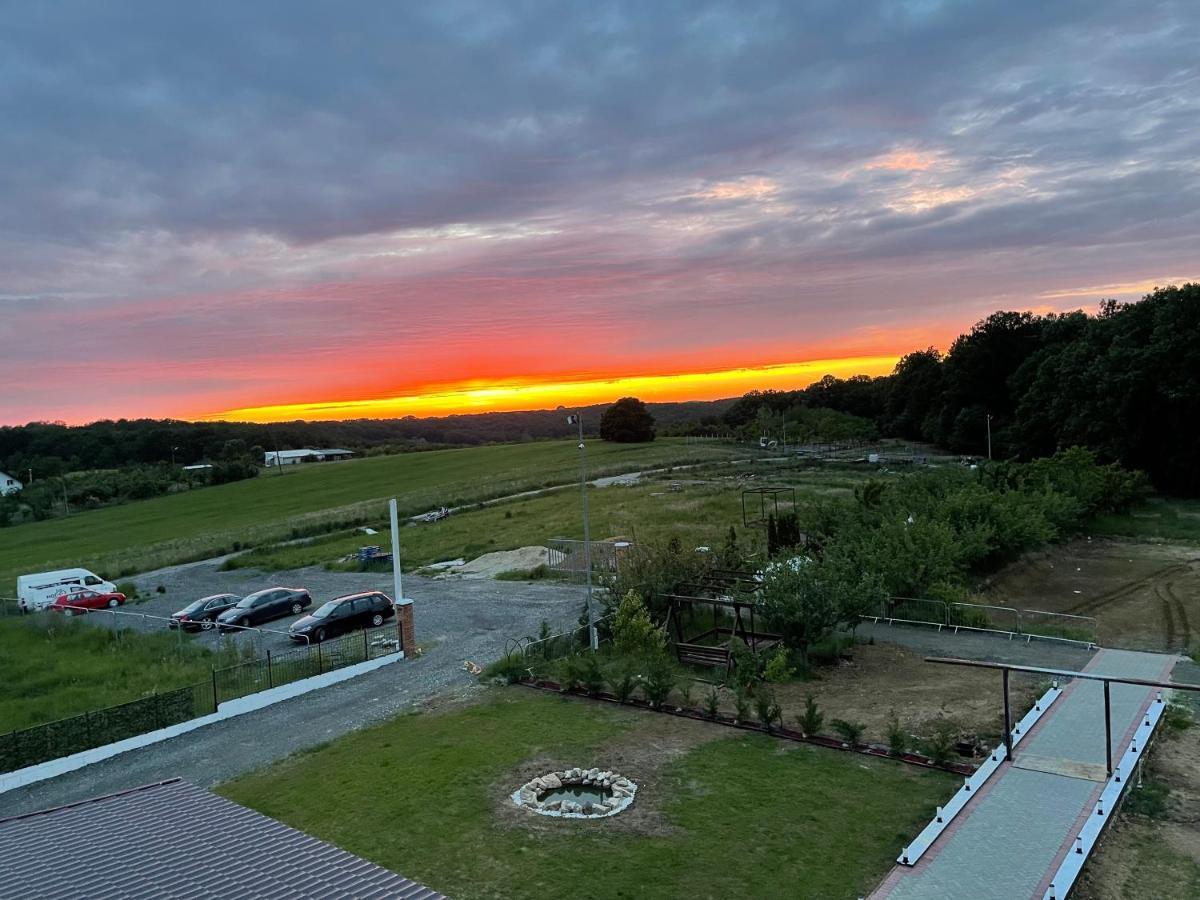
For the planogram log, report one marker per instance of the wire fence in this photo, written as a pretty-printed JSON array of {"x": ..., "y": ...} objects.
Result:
[
  {"x": 272, "y": 668},
  {"x": 556, "y": 646},
  {"x": 1005, "y": 620}
]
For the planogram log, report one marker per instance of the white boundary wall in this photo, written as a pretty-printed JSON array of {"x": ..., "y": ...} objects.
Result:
[{"x": 10, "y": 781}]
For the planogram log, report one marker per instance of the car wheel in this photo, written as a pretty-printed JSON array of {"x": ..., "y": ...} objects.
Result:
[
  {"x": 297, "y": 609},
  {"x": 377, "y": 620},
  {"x": 112, "y": 602},
  {"x": 319, "y": 635},
  {"x": 206, "y": 625}
]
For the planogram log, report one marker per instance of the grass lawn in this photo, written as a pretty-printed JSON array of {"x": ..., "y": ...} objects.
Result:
[
  {"x": 717, "y": 814},
  {"x": 1163, "y": 518},
  {"x": 135, "y": 537},
  {"x": 700, "y": 514},
  {"x": 52, "y": 668}
]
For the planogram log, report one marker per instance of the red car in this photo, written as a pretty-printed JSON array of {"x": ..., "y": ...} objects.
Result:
[{"x": 77, "y": 601}]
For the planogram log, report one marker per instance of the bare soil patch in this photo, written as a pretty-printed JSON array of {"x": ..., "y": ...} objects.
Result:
[
  {"x": 1145, "y": 596},
  {"x": 641, "y": 754},
  {"x": 885, "y": 679}
]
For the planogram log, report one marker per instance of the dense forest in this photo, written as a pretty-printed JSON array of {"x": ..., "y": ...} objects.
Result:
[{"x": 1124, "y": 383}]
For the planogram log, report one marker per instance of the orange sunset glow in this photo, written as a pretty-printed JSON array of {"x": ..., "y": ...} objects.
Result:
[{"x": 505, "y": 396}]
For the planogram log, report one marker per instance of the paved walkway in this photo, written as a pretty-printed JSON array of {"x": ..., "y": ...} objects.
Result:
[{"x": 1010, "y": 840}]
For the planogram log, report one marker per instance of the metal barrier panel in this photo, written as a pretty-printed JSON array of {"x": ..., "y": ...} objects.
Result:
[
  {"x": 981, "y": 617},
  {"x": 914, "y": 609},
  {"x": 568, "y": 557},
  {"x": 1060, "y": 625}
]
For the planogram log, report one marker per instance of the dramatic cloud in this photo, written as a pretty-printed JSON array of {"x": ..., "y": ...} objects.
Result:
[{"x": 233, "y": 205}]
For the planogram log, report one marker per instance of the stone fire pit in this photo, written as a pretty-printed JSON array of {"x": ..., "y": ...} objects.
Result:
[{"x": 577, "y": 794}]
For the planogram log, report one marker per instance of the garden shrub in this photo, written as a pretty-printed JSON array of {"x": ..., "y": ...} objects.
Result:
[
  {"x": 660, "y": 679},
  {"x": 812, "y": 718},
  {"x": 897, "y": 737},
  {"x": 940, "y": 743},
  {"x": 634, "y": 634},
  {"x": 778, "y": 670},
  {"x": 851, "y": 732},
  {"x": 622, "y": 679},
  {"x": 712, "y": 703},
  {"x": 512, "y": 668},
  {"x": 765, "y": 707},
  {"x": 741, "y": 704}
]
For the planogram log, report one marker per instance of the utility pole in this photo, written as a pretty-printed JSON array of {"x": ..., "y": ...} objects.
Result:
[
  {"x": 173, "y": 449},
  {"x": 66, "y": 503},
  {"x": 577, "y": 419},
  {"x": 989, "y": 433},
  {"x": 397, "y": 583}
]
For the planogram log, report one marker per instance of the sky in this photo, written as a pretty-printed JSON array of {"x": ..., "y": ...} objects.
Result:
[{"x": 332, "y": 210}]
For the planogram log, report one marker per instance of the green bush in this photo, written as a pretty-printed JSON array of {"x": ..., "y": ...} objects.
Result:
[
  {"x": 622, "y": 678},
  {"x": 851, "y": 732},
  {"x": 745, "y": 666},
  {"x": 778, "y": 670},
  {"x": 765, "y": 707},
  {"x": 898, "y": 739},
  {"x": 940, "y": 743},
  {"x": 661, "y": 676},
  {"x": 812, "y": 718},
  {"x": 634, "y": 634},
  {"x": 512, "y": 668},
  {"x": 741, "y": 704},
  {"x": 712, "y": 703}
]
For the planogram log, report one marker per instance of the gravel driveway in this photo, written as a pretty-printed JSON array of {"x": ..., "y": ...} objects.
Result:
[{"x": 455, "y": 620}]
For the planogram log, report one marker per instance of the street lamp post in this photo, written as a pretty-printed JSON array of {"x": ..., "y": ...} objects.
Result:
[
  {"x": 989, "y": 435},
  {"x": 577, "y": 419}
]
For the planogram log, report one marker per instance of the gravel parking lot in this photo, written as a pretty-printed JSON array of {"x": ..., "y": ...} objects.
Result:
[{"x": 455, "y": 620}]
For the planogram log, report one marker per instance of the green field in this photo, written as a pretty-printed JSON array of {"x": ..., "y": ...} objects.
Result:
[
  {"x": 143, "y": 535},
  {"x": 77, "y": 667},
  {"x": 717, "y": 814},
  {"x": 699, "y": 514},
  {"x": 1160, "y": 518}
]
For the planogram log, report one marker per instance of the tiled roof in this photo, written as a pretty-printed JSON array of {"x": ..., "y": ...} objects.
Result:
[{"x": 176, "y": 840}]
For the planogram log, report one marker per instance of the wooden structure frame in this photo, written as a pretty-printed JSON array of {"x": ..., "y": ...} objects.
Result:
[
  {"x": 763, "y": 512},
  {"x": 735, "y": 615}
]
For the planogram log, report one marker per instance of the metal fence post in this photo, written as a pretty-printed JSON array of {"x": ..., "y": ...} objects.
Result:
[
  {"x": 364, "y": 645},
  {"x": 270, "y": 674},
  {"x": 320, "y": 660},
  {"x": 216, "y": 702}
]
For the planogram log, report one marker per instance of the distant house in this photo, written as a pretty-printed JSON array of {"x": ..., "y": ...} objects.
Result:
[
  {"x": 307, "y": 455},
  {"x": 9, "y": 485}
]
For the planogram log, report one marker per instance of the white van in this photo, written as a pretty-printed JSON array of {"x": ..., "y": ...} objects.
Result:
[{"x": 41, "y": 589}]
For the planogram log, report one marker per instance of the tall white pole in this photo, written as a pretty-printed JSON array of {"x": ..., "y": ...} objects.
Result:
[
  {"x": 593, "y": 637},
  {"x": 397, "y": 583}
]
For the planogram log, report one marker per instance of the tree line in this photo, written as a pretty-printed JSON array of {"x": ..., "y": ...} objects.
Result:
[{"x": 1124, "y": 383}]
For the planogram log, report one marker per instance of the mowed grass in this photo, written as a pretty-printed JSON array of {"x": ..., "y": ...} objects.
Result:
[
  {"x": 740, "y": 816},
  {"x": 52, "y": 668},
  {"x": 699, "y": 515},
  {"x": 139, "y": 536}
]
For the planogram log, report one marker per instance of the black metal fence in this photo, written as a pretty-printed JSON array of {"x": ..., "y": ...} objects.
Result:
[
  {"x": 278, "y": 667},
  {"x": 41, "y": 743}
]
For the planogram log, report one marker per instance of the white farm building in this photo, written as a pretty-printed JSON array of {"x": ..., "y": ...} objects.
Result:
[
  {"x": 307, "y": 455},
  {"x": 9, "y": 485}
]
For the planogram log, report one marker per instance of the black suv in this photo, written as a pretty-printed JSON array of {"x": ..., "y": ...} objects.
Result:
[
  {"x": 201, "y": 614},
  {"x": 263, "y": 606},
  {"x": 343, "y": 614}
]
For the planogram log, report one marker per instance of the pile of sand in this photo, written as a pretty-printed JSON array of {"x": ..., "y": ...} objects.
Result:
[{"x": 492, "y": 564}]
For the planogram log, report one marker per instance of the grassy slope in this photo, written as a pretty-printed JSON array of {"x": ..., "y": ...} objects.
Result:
[
  {"x": 80, "y": 667},
  {"x": 699, "y": 515},
  {"x": 137, "y": 536},
  {"x": 747, "y": 817}
]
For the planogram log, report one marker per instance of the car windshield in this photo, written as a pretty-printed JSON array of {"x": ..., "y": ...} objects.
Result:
[
  {"x": 248, "y": 601},
  {"x": 326, "y": 609},
  {"x": 193, "y": 607}
]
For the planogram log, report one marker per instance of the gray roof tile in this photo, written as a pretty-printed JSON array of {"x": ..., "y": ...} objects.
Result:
[{"x": 173, "y": 840}]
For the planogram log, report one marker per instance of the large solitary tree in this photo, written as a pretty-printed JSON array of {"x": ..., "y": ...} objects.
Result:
[{"x": 627, "y": 422}]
